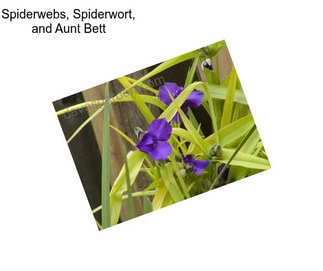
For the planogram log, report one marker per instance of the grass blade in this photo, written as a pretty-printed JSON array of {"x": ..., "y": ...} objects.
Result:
[
  {"x": 179, "y": 177},
  {"x": 97, "y": 112},
  {"x": 145, "y": 98},
  {"x": 244, "y": 160},
  {"x": 105, "y": 178},
  {"x": 143, "y": 85},
  {"x": 159, "y": 196},
  {"x": 195, "y": 135},
  {"x": 220, "y": 92},
  {"x": 117, "y": 99},
  {"x": 233, "y": 131},
  {"x": 170, "y": 182},
  {"x": 191, "y": 73},
  {"x": 212, "y": 111},
  {"x": 229, "y": 99},
  {"x": 122, "y": 134},
  {"x": 147, "y": 205},
  {"x": 129, "y": 189},
  {"x": 135, "y": 160}
]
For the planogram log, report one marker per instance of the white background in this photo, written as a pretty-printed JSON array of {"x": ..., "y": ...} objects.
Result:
[{"x": 271, "y": 221}]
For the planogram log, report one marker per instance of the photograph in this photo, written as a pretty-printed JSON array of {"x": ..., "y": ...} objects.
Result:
[{"x": 161, "y": 135}]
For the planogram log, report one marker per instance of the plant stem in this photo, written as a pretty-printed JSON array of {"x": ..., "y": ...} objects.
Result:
[{"x": 79, "y": 107}]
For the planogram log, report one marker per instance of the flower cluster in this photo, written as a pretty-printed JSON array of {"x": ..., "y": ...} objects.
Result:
[{"x": 154, "y": 141}]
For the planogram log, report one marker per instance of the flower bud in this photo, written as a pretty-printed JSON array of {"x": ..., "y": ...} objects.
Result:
[
  {"x": 207, "y": 64},
  {"x": 215, "y": 151}
]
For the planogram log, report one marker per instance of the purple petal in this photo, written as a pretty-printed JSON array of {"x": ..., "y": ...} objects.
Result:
[
  {"x": 199, "y": 166},
  {"x": 188, "y": 159},
  {"x": 225, "y": 174},
  {"x": 161, "y": 150},
  {"x": 195, "y": 99},
  {"x": 161, "y": 129},
  {"x": 146, "y": 144},
  {"x": 164, "y": 90}
]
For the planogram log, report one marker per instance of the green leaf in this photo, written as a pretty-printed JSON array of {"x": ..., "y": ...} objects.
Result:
[
  {"x": 193, "y": 120},
  {"x": 154, "y": 184},
  {"x": 168, "y": 200},
  {"x": 191, "y": 73},
  {"x": 179, "y": 176},
  {"x": 217, "y": 69},
  {"x": 244, "y": 160},
  {"x": 135, "y": 159},
  {"x": 143, "y": 85},
  {"x": 219, "y": 92},
  {"x": 129, "y": 189},
  {"x": 196, "y": 137},
  {"x": 233, "y": 131},
  {"x": 145, "y": 98},
  {"x": 183, "y": 134},
  {"x": 229, "y": 99},
  {"x": 213, "y": 110},
  {"x": 164, "y": 66},
  {"x": 87, "y": 121},
  {"x": 170, "y": 182},
  {"x": 143, "y": 108},
  {"x": 233, "y": 156},
  {"x": 248, "y": 147},
  {"x": 147, "y": 205},
  {"x": 175, "y": 107},
  {"x": 159, "y": 196},
  {"x": 123, "y": 135},
  {"x": 251, "y": 143}
]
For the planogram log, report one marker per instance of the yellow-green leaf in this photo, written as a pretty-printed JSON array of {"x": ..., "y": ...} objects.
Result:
[
  {"x": 135, "y": 160},
  {"x": 229, "y": 99},
  {"x": 166, "y": 173}
]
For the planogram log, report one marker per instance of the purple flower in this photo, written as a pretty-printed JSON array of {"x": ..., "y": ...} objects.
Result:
[
  {"x": 155, "y": 141},
  {"x": 225, "y": 174},
  {"x": 197, "y": 165},
  {"x": 194, "y": 99}
]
